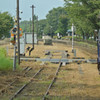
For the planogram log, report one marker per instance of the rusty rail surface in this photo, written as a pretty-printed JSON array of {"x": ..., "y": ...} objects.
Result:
[
  {"x": 54, "y": 79},
  {"x": 25, "y": 85}
]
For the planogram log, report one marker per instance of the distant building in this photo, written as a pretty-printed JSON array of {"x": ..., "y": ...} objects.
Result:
[{"x": 46, "y": 37}]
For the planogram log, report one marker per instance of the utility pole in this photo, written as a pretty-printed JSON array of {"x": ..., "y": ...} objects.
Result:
[
  {"x": 25, "y": 27},
  {"x": 37, "y": 26},
  {"x": 33, "y": 25},
  {"x": 18, "y": 37},
  {"x": 30, "y": 25}
]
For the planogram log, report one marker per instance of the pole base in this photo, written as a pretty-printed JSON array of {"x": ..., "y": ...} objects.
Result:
[
  {"x": 98, "y": 66},
  {"x": 72, "y": 50}
]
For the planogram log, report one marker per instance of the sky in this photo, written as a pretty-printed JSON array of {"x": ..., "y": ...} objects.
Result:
[{"x": 41, "y": 7}]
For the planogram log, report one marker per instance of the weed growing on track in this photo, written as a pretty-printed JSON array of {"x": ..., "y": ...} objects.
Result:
[
  {"x": 29, "y": 98},
  {"x": 5, "y": 62},
  {"x": 56, "y": 98}
]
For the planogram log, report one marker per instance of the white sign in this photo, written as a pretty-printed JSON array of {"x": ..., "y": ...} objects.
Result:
[{"x": 28, "y": 38}]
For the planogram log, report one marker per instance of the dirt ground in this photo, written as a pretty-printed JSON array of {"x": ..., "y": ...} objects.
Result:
[{"x": 74, "y": 81}]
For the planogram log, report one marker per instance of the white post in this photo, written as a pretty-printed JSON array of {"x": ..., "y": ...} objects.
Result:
[
  {"x": 72, "y": 36},
  {"x": 14, "y": 60}
]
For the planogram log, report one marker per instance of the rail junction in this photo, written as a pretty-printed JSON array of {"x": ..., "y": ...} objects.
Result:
[{"x": 52, "y": 72}]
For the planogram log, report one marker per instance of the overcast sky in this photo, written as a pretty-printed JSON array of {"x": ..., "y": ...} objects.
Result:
[{"x": 42, "y": 7}]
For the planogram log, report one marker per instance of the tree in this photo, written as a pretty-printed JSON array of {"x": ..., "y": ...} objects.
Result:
[
  {"x": 6, "y": 23},
  {"x": 54, "y": 18},
  {"x": 25, "y": 25},
  {"x": 83, "y": 13},
  {"x": 41, "y": 26}
]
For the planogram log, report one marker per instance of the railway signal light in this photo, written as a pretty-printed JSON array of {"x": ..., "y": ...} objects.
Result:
[{"x": 14, "y": 34}]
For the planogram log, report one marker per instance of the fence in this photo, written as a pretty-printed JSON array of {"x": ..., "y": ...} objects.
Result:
[{"x": 88, "y": 47}]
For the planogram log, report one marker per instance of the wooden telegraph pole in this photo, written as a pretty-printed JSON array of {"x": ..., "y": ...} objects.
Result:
[
  {"x": 37, "y": 26},
  {"x": 32, "y": 25},
  {"x": 18, "y": 33}
]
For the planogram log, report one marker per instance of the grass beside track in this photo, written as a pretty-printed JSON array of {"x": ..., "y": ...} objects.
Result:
[{"x": 5, "y": 62}]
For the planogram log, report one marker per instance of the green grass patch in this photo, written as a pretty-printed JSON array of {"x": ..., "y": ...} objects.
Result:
[
  {"x": 56, "y": 98},
  {"x": 29, "y": 98},
  {"x": 5, "y": 62},
  {"x": 87, "y": 44}
]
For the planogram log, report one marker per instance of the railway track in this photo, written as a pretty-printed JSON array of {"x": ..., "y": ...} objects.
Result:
[
  {"x": 22, "y": 89},
  {"x": 54, "y": 79},
  {"x": 25, "y": 85},
  {"x": 24, "y": 72},
  {"x": 13, "y": 86}
]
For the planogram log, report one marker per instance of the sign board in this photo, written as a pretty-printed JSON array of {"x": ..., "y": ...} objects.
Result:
[{"x": 28, "y": 38}]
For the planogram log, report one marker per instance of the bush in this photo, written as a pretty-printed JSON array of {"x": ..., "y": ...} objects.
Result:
[
  {"x": 54, "y": 37},
  {"x": 78, "y": 38},
  {"x": 63, "y": 38},
  {"x": 5, "y": 62}
]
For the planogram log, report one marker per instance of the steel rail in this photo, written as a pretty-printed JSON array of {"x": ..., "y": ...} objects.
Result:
[
  {"x": 23, "y": 87},
  {"x": 1, "y": 91},
  {"x": 27, "y": 71},
  {"x": 54, "y": 79},
  {"x": 25, "y": 68}
]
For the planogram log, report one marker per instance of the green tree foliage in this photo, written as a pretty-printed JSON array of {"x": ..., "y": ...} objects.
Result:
[
  {"x": 41, "y": 26},
  {"x": 55, "y": 19},
  {"x": 27, "y": 25},
  {"x": 38, "y": 26},
  {"x": 5, "y": 62},
  {"x": 56, "y": 22},
  {"x": 62, "y": 25},
  {"x": 6, "y": 23},
  {"x": 83, "y": 13}
]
